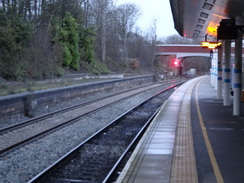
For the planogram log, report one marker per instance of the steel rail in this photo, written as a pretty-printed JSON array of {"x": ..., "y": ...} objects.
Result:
[
  {"x": 45, "y": 116},
  {"x": 53, "y": 166},
  {"x": 40, "y": 134},
  {"x": 137, "y": 137}
]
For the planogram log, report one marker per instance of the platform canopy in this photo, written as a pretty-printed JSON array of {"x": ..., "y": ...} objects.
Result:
[{"x": 199, "y": 19}]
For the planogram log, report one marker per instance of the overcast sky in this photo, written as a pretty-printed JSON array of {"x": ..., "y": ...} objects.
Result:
[{"x": 154, "y": 9}]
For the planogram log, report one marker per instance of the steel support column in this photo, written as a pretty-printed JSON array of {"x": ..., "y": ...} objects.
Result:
[
  {"x": 215, "y": 58},
  {"x": 227, "y": 70},
  {"x": 219, "y": 85},
  {"x": 237, "y": 76},
  {"x": 211, "y": 74}
]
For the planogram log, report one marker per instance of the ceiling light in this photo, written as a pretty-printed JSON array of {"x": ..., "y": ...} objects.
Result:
[
  {"x": 207, "y": 6},
  {"x": 204, "y": 15},
  {"x": 195, "y": 35},
  {"x": 201, "y": 21},
  {"x": 199, "y": 26},
  {"x": 210, "y": 1},
  {"x": 197, "y": 31}
]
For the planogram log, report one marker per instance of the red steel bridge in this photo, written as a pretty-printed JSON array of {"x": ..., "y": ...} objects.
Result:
[{"x": 184, "y": 50}]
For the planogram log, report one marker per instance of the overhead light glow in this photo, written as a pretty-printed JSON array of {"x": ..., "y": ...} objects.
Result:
[
  {"x": 211, "y": 45},
  {"x": 212, "y": 31},
  {"x": 219, "y": 16}
]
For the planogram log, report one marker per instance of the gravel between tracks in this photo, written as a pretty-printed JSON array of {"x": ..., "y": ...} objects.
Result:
[{"x": 23, "y": 164}]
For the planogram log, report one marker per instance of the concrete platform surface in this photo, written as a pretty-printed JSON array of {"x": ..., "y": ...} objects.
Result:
[{"x": 193, "y": 138}]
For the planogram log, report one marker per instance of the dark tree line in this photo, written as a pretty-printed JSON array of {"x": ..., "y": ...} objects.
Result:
[{"x": 43, "y": 38}]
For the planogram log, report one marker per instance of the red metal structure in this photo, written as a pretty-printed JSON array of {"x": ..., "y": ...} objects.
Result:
[{"x": 181, "y": 50}]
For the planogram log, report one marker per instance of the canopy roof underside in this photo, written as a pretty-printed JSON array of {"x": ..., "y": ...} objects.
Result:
[{"x": 199, "y": 19}]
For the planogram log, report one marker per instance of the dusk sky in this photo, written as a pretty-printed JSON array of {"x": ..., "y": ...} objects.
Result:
[{"x": 154, "y": 9}]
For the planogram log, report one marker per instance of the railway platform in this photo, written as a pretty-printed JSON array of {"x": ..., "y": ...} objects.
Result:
[{"x": 194, "y": 138}]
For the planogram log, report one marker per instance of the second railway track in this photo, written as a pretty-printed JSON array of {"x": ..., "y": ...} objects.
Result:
[
  {"x": 94, "y": 159},
  {"x": 16, "y": 135},
  {"x": 25, "y": 161}
]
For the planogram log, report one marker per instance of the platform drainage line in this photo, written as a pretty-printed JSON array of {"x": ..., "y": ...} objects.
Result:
[{"x": 184, "y": 163}]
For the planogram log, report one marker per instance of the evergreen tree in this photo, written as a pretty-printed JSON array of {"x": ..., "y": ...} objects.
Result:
[
  {"x": 68, "y": 37},
  {"x": 86, "y": 43}
]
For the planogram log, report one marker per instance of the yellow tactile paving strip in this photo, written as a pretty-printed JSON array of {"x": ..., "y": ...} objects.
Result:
[{"x": 184, "y": 164}]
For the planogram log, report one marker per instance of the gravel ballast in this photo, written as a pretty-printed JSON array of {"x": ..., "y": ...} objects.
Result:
[{"x": 24, "y": 163}]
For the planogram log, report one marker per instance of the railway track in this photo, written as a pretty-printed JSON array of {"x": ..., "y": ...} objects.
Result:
[
  {"x": 20, "y": 134},
  {"x": 98, "y": 158}
]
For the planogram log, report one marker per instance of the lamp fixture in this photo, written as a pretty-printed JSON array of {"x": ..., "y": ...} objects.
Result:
[
  {"x": 204, "y": 15},
  {"x": 207, "y": 6},
  {"x": 199, "y": 26},
  {"x": 201, "y": 21}
]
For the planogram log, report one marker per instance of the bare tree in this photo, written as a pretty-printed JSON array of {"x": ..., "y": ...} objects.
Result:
[
  {"x": 112, "y": 36},
  {"x": 176, "y": 39},
  {"x": 100, "y": 12},
  {"x": 127, "y": 14},
  {"x": 153, "y": 35}
]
